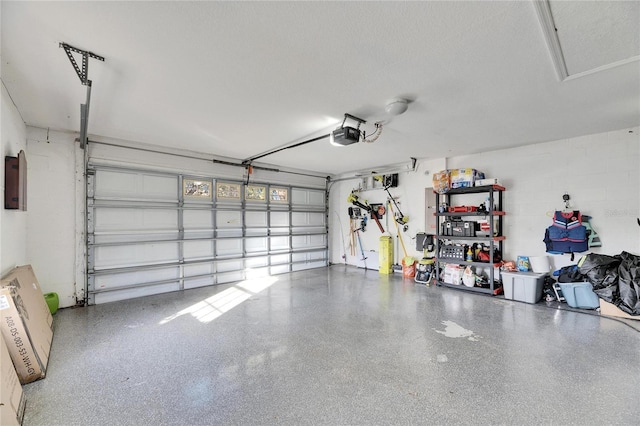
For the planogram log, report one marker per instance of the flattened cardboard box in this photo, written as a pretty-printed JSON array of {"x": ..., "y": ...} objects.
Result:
[
  {"x": 611, "y": 310},
  {"x": 12, "y": 400},
  {"x": 26, "y": 323}
]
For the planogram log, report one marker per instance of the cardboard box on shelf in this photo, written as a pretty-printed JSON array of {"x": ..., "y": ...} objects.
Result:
[
  {"x": 611, "y": 310},
  {"x": 465, "y": 178},
  {"x": 487, "y": 181},
  {"x": 12, "y": 400},
  {"x": 26, "y": 323},
  {"x": 441, "y": 181}
]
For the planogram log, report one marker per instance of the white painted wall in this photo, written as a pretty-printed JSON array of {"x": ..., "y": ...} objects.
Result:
[
  {"x": 13, "y": 223},
  {"x": 410, "y": 195},
  {"x": 51, "y": 222},
  {"x": 600, "y": 172}
]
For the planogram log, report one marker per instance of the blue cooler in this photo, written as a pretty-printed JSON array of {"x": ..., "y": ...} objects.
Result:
[{"x": 580, "y": 295}]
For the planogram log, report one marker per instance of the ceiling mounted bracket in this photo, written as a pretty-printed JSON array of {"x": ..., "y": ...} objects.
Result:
[
  {"x": 354, "y": 118},
  {"x": 83, "y": 75}
]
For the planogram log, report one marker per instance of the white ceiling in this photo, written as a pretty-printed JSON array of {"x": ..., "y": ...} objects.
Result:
[{"x": 236, "y": 79}]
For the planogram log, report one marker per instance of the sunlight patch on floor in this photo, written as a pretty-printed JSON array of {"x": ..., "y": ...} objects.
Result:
[{"x": 212, "y": 307}]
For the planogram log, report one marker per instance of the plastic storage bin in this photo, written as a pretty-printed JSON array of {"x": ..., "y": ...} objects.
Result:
[
  {"x": 523, "y": 286},
  {"x": 580, "y": 295}
]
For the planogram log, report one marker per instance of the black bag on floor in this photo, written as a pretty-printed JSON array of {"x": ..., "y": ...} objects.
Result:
[
  {"x": 629, "y": 283},
  {"x": 570, "y": 274},
  {"x": 602, "y": 272}
]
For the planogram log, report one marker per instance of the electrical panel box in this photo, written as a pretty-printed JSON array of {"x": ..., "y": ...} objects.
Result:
[{"x": 15, "y": 182}]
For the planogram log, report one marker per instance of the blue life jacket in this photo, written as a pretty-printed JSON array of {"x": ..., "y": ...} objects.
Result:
[{"x": 567, "y": 234}]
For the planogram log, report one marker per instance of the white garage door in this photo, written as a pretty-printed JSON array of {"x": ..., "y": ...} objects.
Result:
[{"x": 150, "y": 232}]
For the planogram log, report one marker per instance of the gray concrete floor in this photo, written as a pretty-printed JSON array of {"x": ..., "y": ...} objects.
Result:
[{"x": 336, "y": 346}]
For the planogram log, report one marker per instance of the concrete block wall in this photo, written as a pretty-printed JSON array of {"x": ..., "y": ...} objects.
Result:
[{"x": 600, "y": 173}]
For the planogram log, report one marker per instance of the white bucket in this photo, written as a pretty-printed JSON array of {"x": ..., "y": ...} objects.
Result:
[{"x": 540, "y": 264}]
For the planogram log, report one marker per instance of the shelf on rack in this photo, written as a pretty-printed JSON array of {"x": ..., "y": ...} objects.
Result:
[
  {"x": 474, "y": 189},
  {"x": 464, "y": 287},
  {"x": 456, "y": 237},
  {"x": 464, "y": 262},
  {"x": 492, "y": 213}
]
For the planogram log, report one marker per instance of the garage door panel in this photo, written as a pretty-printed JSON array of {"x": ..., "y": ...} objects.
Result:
[
  {"x": 139, "y": 186},
  {"x": 228, "y": 219},
  {"x": 116, "y": 280},
  {"x": 136, "y": 221},
  {"x": 198, "y": 282},
  {"x": 194, "y": 250},
  {"x": 256, "y": 218},
  {"x": 279, "y": 259},
  {"x": 302, "y": 261},
  {"x": 229, "y": 265},
  {"x": 279, "y": 218},
  {"x": 280, "y": 243},
  {"x": 198, "y": 269},
  {"x": 116, "y": 184},
  {"x": 308, "y": 197},
  {"x": 199, "y": 233},
  {"x": 255, "y": 245},
  {"x": 229, "y": 277},
  {"x": 308, "y": 241},
  {"x": 198, "y": 275},
  {"x": 159, "y": 187},
  {"x": 229, "y": 247},
  {"x": 279, "y": 269},
  {"x": 110, "y": 219},
  {"x": 308, "y": 219},
  {"x": 133, "y": 236},
  {"x": 135, "y": 255},
  {"x": 118, "y": 295},
  {"x": 256, "y": 262},
  {"x": 197, "y": 219}
]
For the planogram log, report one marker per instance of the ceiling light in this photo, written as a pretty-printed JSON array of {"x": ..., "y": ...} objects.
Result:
[{"x": 396, "y": 106}]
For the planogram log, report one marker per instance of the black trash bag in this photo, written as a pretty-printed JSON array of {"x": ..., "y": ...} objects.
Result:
[
  {"x": 602, "y": 272},
  {"x": 570, "y": 274},
  {"x": 629, "y": 283}
]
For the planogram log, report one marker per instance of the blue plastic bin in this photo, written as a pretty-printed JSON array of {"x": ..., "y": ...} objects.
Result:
[{"x": 580, "y": 295}]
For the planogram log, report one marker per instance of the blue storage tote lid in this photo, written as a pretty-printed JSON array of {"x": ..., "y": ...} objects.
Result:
[{"x": 580, "y": 295}]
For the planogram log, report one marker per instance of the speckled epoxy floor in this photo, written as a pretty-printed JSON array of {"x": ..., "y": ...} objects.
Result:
[{"x": 336, "y": 346}]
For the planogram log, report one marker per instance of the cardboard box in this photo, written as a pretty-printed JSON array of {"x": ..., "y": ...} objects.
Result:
[
  {"x": 485, "y": 182},
  {"x": 522, "y": 286},
  {"x": 12, "y": 400},
  {"x": 26, "y": 323},
  {"x": 611, "y": 310},
  {"x": 441, "y": 181},
  {"x": 465, "y": 178}
]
